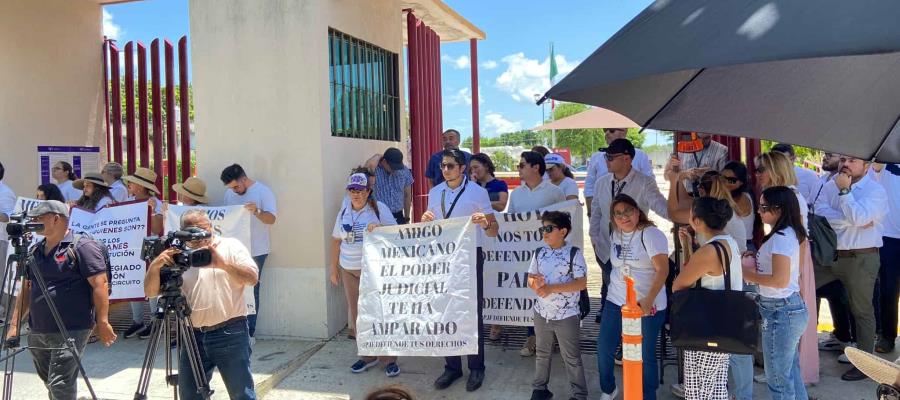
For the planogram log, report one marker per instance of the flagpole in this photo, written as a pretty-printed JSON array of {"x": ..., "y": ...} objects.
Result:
[{"x": 552, "y": 102}]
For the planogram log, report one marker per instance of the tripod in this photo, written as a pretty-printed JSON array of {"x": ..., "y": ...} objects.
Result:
[
  {"x": 10, "y": 348},
  {"x": 172, "y": 311}
]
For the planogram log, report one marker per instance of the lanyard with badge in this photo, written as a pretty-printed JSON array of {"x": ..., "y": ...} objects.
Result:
[
  {"x": 614, "y": 190},
  {"x": 350, "y": 233},
  {"x": 444, "y": 211}
]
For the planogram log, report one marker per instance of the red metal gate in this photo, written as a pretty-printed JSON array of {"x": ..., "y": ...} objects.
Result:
[{"x": 166, "y": 140}]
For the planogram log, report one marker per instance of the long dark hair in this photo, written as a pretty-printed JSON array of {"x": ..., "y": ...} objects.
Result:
[
  {"x": 740, "y": 172},
  {"x": 371, "y": 197},
  {"x": 90, "y": 202},
  {"x": 643, "y": 220},
  {"x": 784, "y": 199},
  {"x": 67, "y": 168},
  {"x": 51, "y": 192}
]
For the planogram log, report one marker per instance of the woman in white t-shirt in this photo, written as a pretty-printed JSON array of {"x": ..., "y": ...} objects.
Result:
[
  {"x": 777, "y": 272},
  {"x": 560, "y": 175},
  {"x": 706, "y": 373},
  {"x": 640, "y": 250},
  {"x": 64, "y": 175},
  {"x": 362, "y": 214}
]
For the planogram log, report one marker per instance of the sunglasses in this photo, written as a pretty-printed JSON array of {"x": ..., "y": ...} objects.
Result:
[
  {"x": 767, "y": 208},
  {"x": 357, "y": 191},
  {"x": 523, "y": 165},
  {"x": 613, "y": 130},
  {"x": 449, "y": 166},
  {"x": 759, "y": 169},
  {"x": 623, "y": 214},
  {"x": 546, "y": 229},
  {"x": 610, "y": 157},
  {"x": 731, "y": 180}
]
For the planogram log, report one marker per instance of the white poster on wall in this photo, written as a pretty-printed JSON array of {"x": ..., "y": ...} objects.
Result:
[
  {"x": 83, "y": 159},
  {"x": 417, "y": 294},
  {"x": 507, "y": 298}
]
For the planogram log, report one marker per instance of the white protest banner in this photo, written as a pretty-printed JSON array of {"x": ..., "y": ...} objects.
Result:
[
  {"x": 507, "y": 298},
  {"x": 227, "y": 221},
  {"x": 122, "y": 228},
  {"x": 23, "y": 204},
  {"x": 417, "y": 292}
]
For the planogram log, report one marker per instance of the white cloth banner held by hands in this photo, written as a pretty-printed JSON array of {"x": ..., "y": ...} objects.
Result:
[
  {"x": 507, "y": 298},
  {"x": 418, "y": 294}
]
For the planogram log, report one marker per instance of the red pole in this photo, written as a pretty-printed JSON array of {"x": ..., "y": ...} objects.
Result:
[
  {"x": 129, "y": 107},
  {"x": 171, "y": 143},
  {"x": 473, "y": 56},
  {"x": 105, "y": 51},
  {"x": 116, "y": 102},
  {"x": 428, "y": 68},
  {"x": 156, "y": 100},
  {"x": 438, "y": 98},
  {"x": 185, "y": 108},
  {"x": 143, "y": 128},
  {"x": 416, "y": 149}
]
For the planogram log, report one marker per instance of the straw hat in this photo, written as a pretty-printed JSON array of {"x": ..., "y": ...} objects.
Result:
[
  {"x": 143, "y": 177},
  {"x": 91, "y": 177},
  {"x": 877, "y": 368},
  {"x": 193, "y": 188}
]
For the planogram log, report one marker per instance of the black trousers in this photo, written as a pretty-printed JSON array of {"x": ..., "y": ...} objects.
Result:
[
  {"x": 475, "y": 361},
  {"x": 889, "y": 288},
  {"x": 401, "y": 220}
]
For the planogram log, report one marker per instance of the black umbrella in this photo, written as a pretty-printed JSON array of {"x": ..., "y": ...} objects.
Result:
[{"x": 823, "y": 74}]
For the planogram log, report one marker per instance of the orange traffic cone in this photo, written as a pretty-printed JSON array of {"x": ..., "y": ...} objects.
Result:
[{"x": 632, "y": 364}]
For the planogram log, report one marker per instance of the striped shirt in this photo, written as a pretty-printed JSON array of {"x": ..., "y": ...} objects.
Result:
[{"x": 389, "y": 187}]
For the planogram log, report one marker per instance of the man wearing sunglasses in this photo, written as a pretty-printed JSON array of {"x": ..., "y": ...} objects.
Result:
[
  {"x": 621, "y": 179},
  {"x": 597, "y": 164},
  {"x": 855, "y": 206},
  {"x": 713, "y": 157}
]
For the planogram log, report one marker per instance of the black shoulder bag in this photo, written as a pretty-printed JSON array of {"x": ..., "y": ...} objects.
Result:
[
  {"x": 584, "y": 300},
  {"x": 723, "y": 321}
]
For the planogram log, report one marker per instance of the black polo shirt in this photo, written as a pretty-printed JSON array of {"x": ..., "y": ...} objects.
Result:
[{"x": 67, "y": 284}]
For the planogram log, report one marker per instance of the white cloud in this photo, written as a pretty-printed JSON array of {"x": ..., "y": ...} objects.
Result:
[
  {"x": 524, "y": 77},
  {"x": 460, "y": 62},
  {"x": 496, "y": 123},
  {"x": 464, "y": 96},
  {"x": 489, "y": 64},
  {"x": 110, "y": 29}
]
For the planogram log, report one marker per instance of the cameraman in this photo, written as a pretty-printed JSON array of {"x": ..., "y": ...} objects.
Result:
[
  {"x": 215, "y": 294},
  {"x": 79, "y": 289}
]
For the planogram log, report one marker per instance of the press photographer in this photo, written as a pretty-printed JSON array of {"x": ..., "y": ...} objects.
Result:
[
  {"x": 74, "y": 269},
  {"x": 215, "y": 294}
]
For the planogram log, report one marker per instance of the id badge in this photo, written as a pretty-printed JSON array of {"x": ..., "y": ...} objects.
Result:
[{"x": 350, "y": 237}]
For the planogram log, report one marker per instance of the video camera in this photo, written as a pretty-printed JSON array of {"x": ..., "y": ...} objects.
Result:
[
  {"x": 153, "y": 246},
  {"x": 19, "y": 226}
]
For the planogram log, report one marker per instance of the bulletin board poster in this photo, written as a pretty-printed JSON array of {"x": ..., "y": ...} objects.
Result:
[{"x": 82, "y": 159}]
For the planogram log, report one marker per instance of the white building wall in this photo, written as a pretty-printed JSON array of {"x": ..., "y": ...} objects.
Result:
[
  {"x": 50, "y": 83},
  {"x": 261, "y": 95}
]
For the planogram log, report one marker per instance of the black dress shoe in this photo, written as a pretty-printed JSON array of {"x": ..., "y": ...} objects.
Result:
[
  {"x": 853, "y": 375},
  {"x": 541, "y": 395},
  {"x": 476, "y": 377},
  {"x": 446, "y": 379},
  {"x": 884, "y": 346}
]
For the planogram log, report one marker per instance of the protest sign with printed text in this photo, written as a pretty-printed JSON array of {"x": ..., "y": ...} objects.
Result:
[
  {"x": 507, "y": 298},
  {"x": 418, "y": 294}
]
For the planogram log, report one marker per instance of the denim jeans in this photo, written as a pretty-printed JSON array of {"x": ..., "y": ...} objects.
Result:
[
  {"x": 57, "y": 368},
  {"x": 784, "y": 321},
  {"x": 251, "y": 319},
  {"x": 611, "y": 336},
  {"x": 226, "y": 348},
  {"x": 740, "y": 367}
]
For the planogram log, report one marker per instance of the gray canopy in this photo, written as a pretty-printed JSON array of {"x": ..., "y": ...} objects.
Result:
[{"x": 823, "y": 74}]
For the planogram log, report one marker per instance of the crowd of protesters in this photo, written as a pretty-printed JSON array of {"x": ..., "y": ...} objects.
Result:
[{"x": 732, "y": 236}]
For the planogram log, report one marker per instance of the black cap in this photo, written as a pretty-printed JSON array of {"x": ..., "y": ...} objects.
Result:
[
  {"x": 394, "y": 158},
  {"x": 620, "y": 146}
]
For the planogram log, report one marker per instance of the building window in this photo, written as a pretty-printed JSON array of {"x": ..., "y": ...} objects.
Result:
[{"x": 364, "y": 89}]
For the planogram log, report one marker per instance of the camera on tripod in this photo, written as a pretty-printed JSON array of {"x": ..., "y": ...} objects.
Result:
[
  {"x": 187, "y": 258},
  {"x": 19, "y": 226}
]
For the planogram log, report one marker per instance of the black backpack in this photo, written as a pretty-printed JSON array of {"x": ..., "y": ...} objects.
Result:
[
  {"x": 584, "y": 301},
  {"x": 822, "y": 238},
  {"x": 72, "y": 254}
]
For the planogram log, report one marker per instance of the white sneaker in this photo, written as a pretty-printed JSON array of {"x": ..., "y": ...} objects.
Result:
[
  {"x": 609, "y": 396},
  {"x": 761, "y": 378},
  {"x": 252, "y": 341},
  {"x": 843, "y": 357},
  {"x": 528, "y": 349},
  {"x": 831, "y": 343}
]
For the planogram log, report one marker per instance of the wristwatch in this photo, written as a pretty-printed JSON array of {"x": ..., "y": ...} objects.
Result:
[{"x": 844, "y": 191}]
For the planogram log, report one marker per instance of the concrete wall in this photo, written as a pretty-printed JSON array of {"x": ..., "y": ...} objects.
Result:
[
  {"x": 261, "y": 95},
  {"x": 50, "y": 83}
]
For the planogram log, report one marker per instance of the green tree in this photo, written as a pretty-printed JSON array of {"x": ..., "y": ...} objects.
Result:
[
  {"x": 503, "y": 161},
  {"x": 580, "y": 142},
  {"x": 803, "y": 153}
]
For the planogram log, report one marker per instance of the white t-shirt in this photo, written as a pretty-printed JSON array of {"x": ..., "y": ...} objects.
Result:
[
  {"x": 736, "y": 273},
  {"x": 104, "y": 201},
  {"x": 735, "y": 228},
  {"x": 524, "y": 199},
  {"x": 7, "y": 200},
  {"x": 68, "y": 191},
  {"x": 259, "y": 194},
  {"x": 569, "y": 187},
  {"x": 554, "y": 266},
  {"x": 119, "y": 191},
  {"x": 350, "y": 226},
  {"x": 474, "y": 199},
  {"x": 629, "y": 256},
  {"x": 783, "y": 243}
]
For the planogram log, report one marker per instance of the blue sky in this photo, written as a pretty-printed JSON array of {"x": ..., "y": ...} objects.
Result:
[{"x": 514, "y": 59}]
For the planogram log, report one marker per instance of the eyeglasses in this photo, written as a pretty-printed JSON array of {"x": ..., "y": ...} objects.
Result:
[
  {"x": 731, "y": 180},
  {"x": 628, "y": 213},
  {"x": 523, "y": 165},
  {"x": 613, "y": 130},
  {"x": 449, "y": 166},
  {"x": 767, "y": 208},
  {"x": 357, "y": 191},
  {"x": 759, "y": 169},
  {"x": 56, "y": 168},
  {"x": 610, "y": 157},
  {"x": 547, "y": 229}
]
